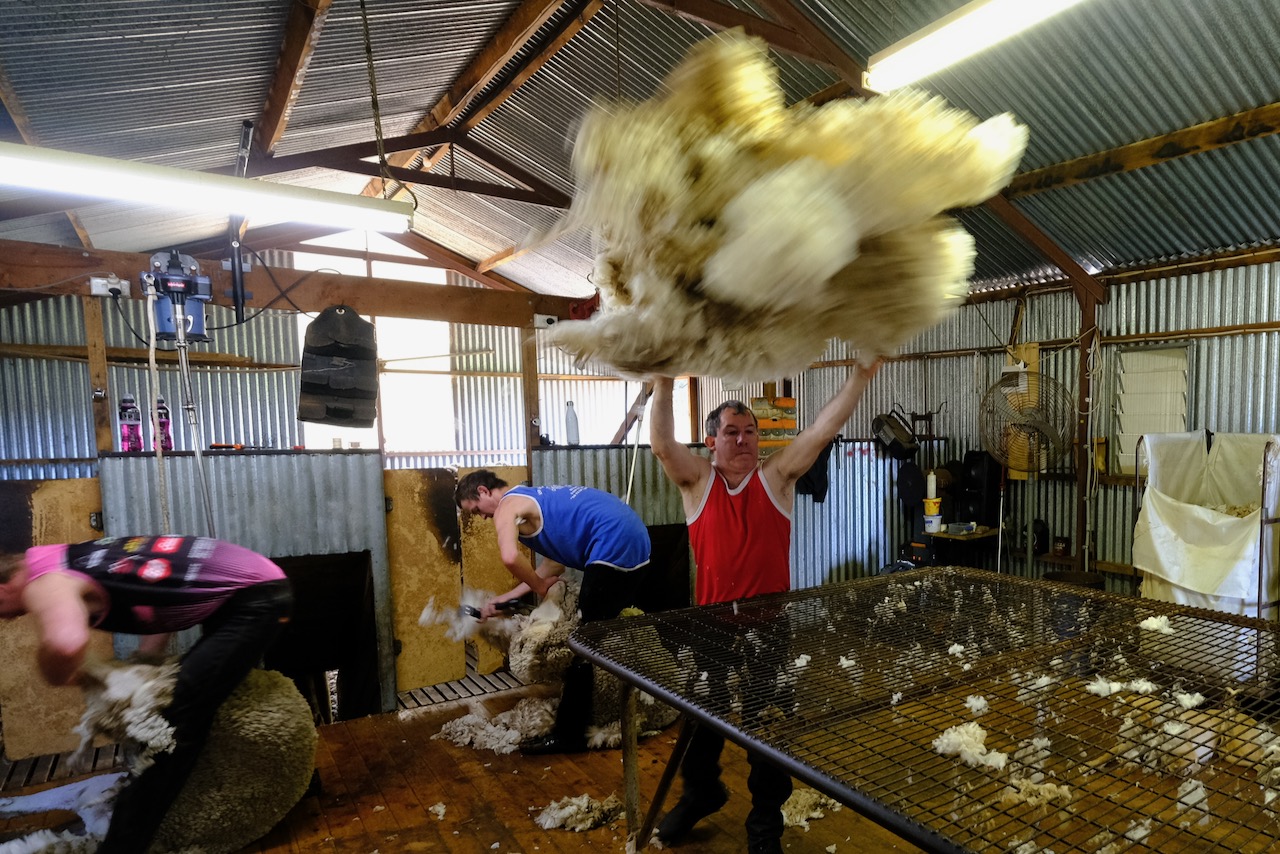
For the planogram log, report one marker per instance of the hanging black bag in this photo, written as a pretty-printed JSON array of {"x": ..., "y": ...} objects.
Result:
[{"x": 339, "y": 370}]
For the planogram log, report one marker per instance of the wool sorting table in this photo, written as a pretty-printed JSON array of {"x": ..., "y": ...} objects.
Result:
[{"x": 970, "y": 711}]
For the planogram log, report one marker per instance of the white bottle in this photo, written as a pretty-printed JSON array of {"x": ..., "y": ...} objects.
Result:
[{"x": 570, "y": 423}]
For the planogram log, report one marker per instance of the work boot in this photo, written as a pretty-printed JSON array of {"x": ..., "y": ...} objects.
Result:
[{"x": 690, "y": 810}]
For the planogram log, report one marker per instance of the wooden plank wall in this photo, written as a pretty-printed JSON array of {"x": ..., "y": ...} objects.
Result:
[{"x": 38, "y": 719}]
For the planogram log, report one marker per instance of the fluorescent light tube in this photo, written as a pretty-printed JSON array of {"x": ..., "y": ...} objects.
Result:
[
  {"x": 182, "y": 189},
  {"x": 968, "y": 30}
]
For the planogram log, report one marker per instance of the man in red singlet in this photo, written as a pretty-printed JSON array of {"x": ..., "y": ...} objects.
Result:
[{"x": 738, "y": 510}]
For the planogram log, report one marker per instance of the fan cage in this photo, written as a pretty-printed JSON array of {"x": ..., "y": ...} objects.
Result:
[{"x": 1025, "y": 421}]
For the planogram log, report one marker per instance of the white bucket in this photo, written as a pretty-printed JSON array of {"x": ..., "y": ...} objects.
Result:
[{"x": 932, "y": 524}]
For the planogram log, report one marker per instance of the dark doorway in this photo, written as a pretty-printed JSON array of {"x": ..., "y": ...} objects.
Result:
[
  {"x": 668, "y": 584},
  {"x": 330, "y": 647}
]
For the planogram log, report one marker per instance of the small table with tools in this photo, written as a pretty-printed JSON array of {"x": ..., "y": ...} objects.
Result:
[
  {"x": 970, "y": 711},
  {"x": 959, "y": 548}
]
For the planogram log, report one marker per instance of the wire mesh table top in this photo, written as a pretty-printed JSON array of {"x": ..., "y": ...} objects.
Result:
[{"x": 970, "y": 711}]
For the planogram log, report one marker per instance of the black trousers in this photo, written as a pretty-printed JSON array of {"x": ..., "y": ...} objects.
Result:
[
  {"x": 758, "y": 689},
  {"x": 231, "y": 644},
  {"x": 604, "y": 593}
]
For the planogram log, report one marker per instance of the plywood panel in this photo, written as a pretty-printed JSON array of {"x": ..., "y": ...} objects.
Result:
[
  {"x": 38, "y": 719},
  {"x": 424, "y": 555},
  {"x": 482, "y": 567}
]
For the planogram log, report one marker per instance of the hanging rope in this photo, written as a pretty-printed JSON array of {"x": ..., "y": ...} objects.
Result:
[{"x": 373, "y": 97}]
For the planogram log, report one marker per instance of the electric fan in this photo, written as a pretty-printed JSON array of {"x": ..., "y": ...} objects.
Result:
[{"x": 1025, "y": 422}]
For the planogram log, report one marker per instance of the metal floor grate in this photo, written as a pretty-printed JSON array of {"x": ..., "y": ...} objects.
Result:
[
  {"x": 473, "y": 684},
  {"x": 852, "y": 686},
  {"x": 20, "y": 773}
]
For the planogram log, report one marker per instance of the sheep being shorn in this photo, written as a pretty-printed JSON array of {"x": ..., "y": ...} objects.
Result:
[
  {"x": 537, "y": 647},
  {"x": 737, "y": 235},
  {"x": 256, "y": 765}
]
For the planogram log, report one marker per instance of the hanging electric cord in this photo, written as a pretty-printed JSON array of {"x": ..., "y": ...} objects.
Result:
[
  {"x": 282, "y": 292},
  {"x": 1007, "y": 348},
  {"x": 638, "y": 409},
  {"x": 153, "y": 374},
  {"x": 115, "y": 299}
]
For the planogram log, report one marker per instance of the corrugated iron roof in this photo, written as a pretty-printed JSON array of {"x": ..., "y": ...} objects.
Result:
[{"x": 170, "y": 83}]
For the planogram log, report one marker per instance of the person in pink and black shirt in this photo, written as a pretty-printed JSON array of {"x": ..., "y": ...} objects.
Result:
[{"x": 152, "y": 586}]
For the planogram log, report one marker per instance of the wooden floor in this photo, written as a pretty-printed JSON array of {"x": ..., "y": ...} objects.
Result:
[{"x": 380, "y": 776}]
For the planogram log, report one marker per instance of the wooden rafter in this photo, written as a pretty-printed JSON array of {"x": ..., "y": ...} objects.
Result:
[
  {"x": 301, "y": 33},
  {"x": 516, "y": 173},
  {"x": 18, "y": 114},
  {"x": 718, "y": 16},
  {"x": 459, "y": 264},
  {"x": 1084, "y": 283},
  {"x": 825, "y": 50},
  {"x": 721, "y": 16},
  {"x": 261, "y": 239},
  {"x": 511, "y": 37},
  {"x": 480, "y": 73},
  {"x": 1197, "y": 139},
  {"x": 29, "y": 268},
  {"x": 499, "y": 258}
]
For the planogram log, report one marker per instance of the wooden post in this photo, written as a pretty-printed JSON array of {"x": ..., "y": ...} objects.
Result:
[
  {"x": 695, "y": 412},
  {"x": 1084, "y": 445},
  {"x": 529, "y": 387},
  {"x": 630, "y": 759},
  {"x": 96, "y": 344}
]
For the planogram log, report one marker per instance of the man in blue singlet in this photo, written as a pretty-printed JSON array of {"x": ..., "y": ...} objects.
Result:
[{"x": 570, "y": 527}]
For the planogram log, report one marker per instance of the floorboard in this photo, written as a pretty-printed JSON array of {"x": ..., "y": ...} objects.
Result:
[
  {"x": 381, "y": 776},
  {"x": 493, "y": 800}
]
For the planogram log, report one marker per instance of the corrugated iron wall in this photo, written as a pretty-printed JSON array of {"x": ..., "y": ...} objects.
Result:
[
  {"x": 281, "y": 504},
  {"x": 46, "y": 420},
  {"x": 45, "y": 425}
]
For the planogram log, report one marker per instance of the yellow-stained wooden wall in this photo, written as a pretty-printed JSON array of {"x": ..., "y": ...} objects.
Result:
[
  {"x": 425, "y": 558},
  {"x": 38, "y": 719}
]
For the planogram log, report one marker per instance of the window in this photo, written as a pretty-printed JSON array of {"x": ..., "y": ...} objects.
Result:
[{"x": 1151, "y": 397}]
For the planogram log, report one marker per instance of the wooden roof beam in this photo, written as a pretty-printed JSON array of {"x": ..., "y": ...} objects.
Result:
[
  {"x": 825, "y": 49},
  {"x": 31, "y": 267},
  {"x": 1197, "y": 139},
  {"x": 459, "y": 264},
  {"x": 483, "y": 69},
  {"x": 301, "y": 33},
  {"x": 721, "y": 16},
  {"x": 1087, "y": 288},
  {"x": 18, "y": 115}
]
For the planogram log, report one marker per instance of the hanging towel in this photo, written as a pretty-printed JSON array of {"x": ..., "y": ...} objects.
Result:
[{"x": 1176, "y": 463}]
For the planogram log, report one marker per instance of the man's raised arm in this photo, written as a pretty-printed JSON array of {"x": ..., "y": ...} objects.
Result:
[
  {"x": 795, "y": 459},
  {"x": 683, "y": 467}
]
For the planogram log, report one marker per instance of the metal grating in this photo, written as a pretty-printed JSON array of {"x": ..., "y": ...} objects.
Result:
[{"x": 852, "y": 686}]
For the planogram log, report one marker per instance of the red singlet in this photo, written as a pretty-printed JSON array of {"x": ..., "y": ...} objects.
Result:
[{"x": 741, "y": 541}]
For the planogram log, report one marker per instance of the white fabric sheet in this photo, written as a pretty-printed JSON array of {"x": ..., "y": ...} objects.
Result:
[{"x": 1208, "y": 558}]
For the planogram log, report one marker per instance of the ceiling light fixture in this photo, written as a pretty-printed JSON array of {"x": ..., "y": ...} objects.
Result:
[
  {"x": 131, "y": 182},
  {"x": 968, "y": 30}
]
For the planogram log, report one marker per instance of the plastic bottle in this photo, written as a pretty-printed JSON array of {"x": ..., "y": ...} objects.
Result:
[
  {"x": 163, "y": 420},
  {"x": 130, "y": 424},
  {"x": 570, "y": 423}
]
